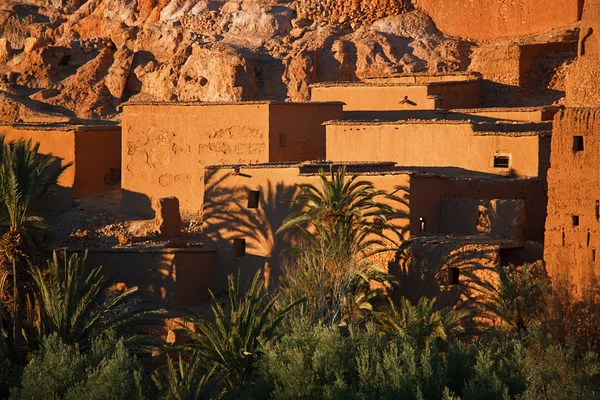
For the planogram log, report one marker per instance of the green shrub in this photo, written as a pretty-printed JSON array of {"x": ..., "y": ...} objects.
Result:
[{"x": 61, "y": 371}]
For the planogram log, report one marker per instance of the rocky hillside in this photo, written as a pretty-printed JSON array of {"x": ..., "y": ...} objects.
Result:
[{"x": 61, "y": 59}]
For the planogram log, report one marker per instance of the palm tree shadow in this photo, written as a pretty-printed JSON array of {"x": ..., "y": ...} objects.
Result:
[
  {"x": 227, "y": 216},
  {"x": 452, "y": 269}
]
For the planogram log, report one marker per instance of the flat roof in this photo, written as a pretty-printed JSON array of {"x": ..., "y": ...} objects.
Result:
[
  {"x": 231, "y": 103},
  {"x": 64, "y": 126},
  {"x": 310, "y": 168},
  {"x": 424, "y": 74},
  {"x": 389, "y": 84},
  {"x": 513, "y": 128}
]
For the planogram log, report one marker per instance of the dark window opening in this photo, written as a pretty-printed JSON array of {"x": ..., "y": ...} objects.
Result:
[
  {"x": 253, "y": 198},
  {"x": 563, "y": 239},
  {"x": 594, "y": 255},
  {"x": 577, "y": 143},
  {"x": 239, "y": 247},
  {"x": 422, "y": 225},
  {"x": 282, "y": 140},
  {"x": 597, "y": 210},
  {"x": 501, "y": 161},
  {"x": 575, "y": 219},
  {"x": 454, "y": 275}
]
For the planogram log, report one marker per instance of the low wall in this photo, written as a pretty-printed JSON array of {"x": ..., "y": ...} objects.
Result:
[{"x": 170, "y": 278}]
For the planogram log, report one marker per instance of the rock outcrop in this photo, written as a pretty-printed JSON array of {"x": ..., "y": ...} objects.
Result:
[{"x": 83, "y": 58}]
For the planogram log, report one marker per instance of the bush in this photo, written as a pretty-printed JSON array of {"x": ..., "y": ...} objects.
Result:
[{"x": 61, "y": 371}]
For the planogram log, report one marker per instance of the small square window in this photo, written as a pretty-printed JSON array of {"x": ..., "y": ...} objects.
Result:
[
  {"x": 454, "y": 275},
  {"x": 575, "y": 219},
  {"x": 577, "y": 144},
  {"x": 501, "y": 161},
  {"x": 282, "y": 140},
  {"x": 239, "y": 247},
  {"x": 253, "y": 198}
]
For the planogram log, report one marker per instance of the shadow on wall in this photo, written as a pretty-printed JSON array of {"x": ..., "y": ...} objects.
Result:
[
  {"x": 447, "y": 270},
  {"x": 136, "y": 204},
  {"x": 227, "y": 216},
  {"x": 166, "y": 279}
]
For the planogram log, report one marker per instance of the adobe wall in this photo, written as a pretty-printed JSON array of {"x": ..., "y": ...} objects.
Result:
[
  {"x": 436, "y": 192},
  {"x": 227, "y": 216},
  {"x": 493, "y": 19},
  {"x": 434, "y": 144},
  {"x": 170, "y": 279},
  {"x": 395, "y": 96},
  {"x": 583, "y": 75},
  {"x": 574, "y": 190},
  {"x": 302, "y": 125},
  {"x": 58, "y": 142},
  {"x": 97, "y": 160},
  {"x": 95, "y": 152},
  {"x": 166, "y": 146}
]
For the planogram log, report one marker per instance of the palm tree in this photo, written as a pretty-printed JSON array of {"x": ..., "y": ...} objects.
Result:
[
  {"x": 234, "y": 341},
  {"x": 422, "y": 325},
  {"x": 187, "y": 380},
  {"x": 516, "y": 299},
  {"x": 344, "y": 214},
  {"x": 25, "y": 176},
  {"x": 345, "y": 223},
  {"x": 78, "y": 306}
]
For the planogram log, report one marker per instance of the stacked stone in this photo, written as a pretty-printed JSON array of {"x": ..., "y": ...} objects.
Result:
[
  {"x": 95, "y": 43},
  {"x": 350, "y": 12}
]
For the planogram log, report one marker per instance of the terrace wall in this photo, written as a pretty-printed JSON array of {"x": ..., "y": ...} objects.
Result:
[{"x": 449, "y": 144}]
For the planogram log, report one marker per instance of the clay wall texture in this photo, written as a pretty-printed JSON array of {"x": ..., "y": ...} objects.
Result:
[
  {"x": 493, "y": 19},
  {"x": 510, "y": 209},
  {"x": 574, "y": 191},
  {"x": 95, "y": 152},
  {"x": 391, "y": 96},
  {"x": 442, "y": 144},
  {"x": 166, "y": 146}
]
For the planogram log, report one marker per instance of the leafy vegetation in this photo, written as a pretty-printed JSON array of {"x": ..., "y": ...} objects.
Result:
[
  {"x": 25, "y": 177},
  {"x": 330, "y": 329}
]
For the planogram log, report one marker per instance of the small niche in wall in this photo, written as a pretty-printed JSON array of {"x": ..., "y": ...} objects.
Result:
[
  {"x": 563, "y": 238},
  {"x": 253, "y": 198},
  {"x": 239, "y": 247},
  {"x": 589, "y": 237},
  {"x": 597, "y": 209},
  {"x": 593, "y": 256},
  {"x": 575, "y": 220},
  {"x": 501, "y": 161},
  {"x": 454, "y": 276},
  {"x": 577, "y": 144},
  {"x": 422, "y": 224}
]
